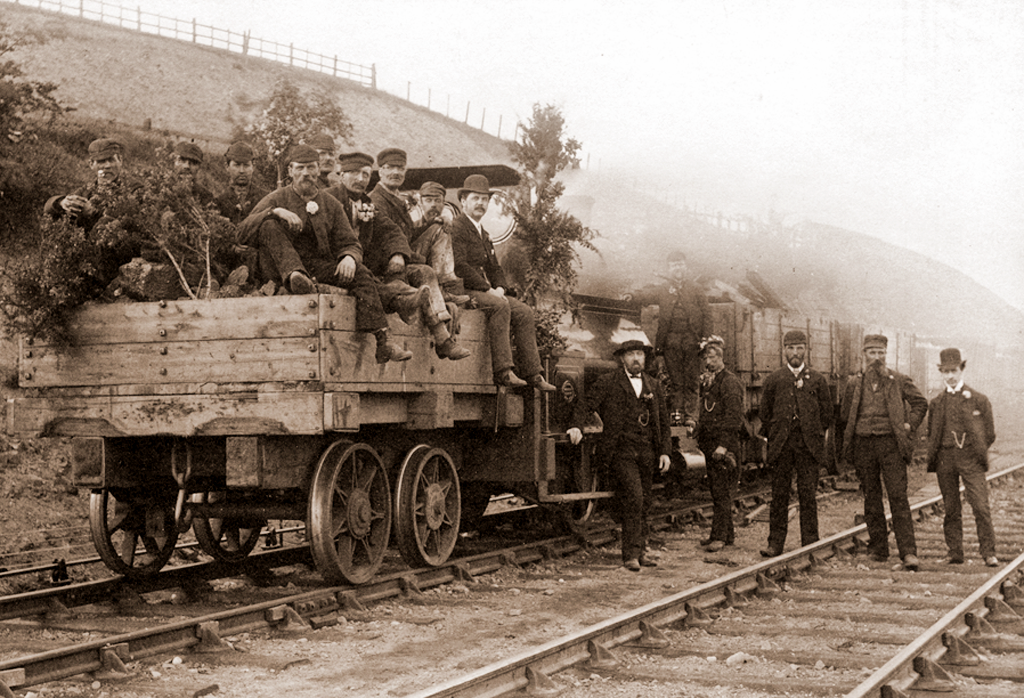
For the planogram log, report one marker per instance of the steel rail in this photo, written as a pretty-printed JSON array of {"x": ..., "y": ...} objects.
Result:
[{"x": 640, "y": 626}]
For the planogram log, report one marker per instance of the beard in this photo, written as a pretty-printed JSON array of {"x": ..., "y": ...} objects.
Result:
[{"x": 306, "y": 185}]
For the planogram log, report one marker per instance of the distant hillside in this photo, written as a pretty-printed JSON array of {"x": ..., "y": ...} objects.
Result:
[{"x": 119, "y": 75}]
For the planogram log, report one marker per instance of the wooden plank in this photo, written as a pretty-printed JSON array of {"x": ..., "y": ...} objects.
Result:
[
  {"x": 338, "y": 313},
  {"x": 182, "y": 415},
  {"x": 182, "y": 321},
  {"x": 214, "y": 361},
  {"x": 176, "y": 389}
]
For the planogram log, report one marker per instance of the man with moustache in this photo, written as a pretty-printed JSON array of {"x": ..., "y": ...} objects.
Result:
[
  {"x": 960, "y": 432},
  {"x": 85, "y": 207},
  {"x": 409, "y": 289},
  {"x": 796, "y": 409},
  {"x": 242, "y": 194},
  {"x": 187, "y": 160},
  {"x": 478, "y": 267},
  {"x": 635, "y": 438},
  {"x": 432, "y": 241},
  {"x": 326, "y": 150},
  {"x": 880, "y": 411},
  {"x": 303, "y": 234}
]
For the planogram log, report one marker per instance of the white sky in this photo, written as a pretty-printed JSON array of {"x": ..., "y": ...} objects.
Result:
[{"x": 899, "y": 119}]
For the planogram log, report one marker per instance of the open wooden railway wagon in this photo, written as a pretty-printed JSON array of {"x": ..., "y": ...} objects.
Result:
[{"x": 222, "y": 414}]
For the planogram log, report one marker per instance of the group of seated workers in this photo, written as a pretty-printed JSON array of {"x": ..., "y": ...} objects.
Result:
[{"x": 322, "y": 231}]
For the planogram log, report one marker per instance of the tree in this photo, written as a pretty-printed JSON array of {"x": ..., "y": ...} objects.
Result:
[
  {"x": 547, "y": 239},
  {"x": 291, "y": 116}
]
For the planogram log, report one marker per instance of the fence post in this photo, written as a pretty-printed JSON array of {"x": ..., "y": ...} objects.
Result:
[
  {"x": 291, "y": 54},
  {"x": 193, "y": 30},
  {"x": 408, "y": 90},
  {"x": 81, "y": 7},
  {"x": 466, "y": 121},
  {"x": 428, "y": 98},
  {"x": 499, "y": 125},
  {"x": 138, "y": 16},
  {"x": 448, "y": 107},
  {"x": 483, "y": 115},
  {"x": 245, "y": 42},
  {"x": 373, "y": 75},
  {"x": 335, "y": 65}
]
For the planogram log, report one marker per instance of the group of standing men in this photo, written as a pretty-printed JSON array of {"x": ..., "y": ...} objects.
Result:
[{"x": 879, "y": 413}]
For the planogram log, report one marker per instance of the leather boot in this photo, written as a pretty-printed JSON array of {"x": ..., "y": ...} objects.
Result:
[
  {"x": 388, "y": 350},
  {"x": 408, "y": 305},
  {"x": 454, "y": 292},
  {"x": 539, "y": 383},
  {"x": 509, "y": 379},
  {"x": 451, "y": 350}
]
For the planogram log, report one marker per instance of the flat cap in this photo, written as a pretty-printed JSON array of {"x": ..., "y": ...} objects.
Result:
[
  {"x": 354, "y": 161},
  {"x": 432, "y": 189},
  {"x": 391, "y": 156},
  {"x": 321, "y": 141},
  {"x": 632, "y": 345},
  {"x": 950, "y": 359},
  {"x": 794, "y": 337},
  {"x": 303, "y": 154},
  {"x": 877, "y": 341},
  {"x": 188, "y": 151},
  {"x": 103, "y": 148},
  {"x": 240, "y": 152}
]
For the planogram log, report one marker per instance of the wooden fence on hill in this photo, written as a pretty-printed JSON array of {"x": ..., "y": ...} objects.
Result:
[{"x": 191, "y": 30}]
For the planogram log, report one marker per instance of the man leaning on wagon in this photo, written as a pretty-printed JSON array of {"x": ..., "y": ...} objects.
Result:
[
  {"x": 960, "y": 432},
  {"x": 880, "y": 411},
  {"x": 478, "y": 267},
  {"x": 796, "y": 409},
  {"x": 408, "y": 289},
  {"x": 303, "y": 234}
]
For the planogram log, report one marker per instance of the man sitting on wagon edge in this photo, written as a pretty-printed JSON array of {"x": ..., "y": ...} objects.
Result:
[{"x": 303, "y": 234}]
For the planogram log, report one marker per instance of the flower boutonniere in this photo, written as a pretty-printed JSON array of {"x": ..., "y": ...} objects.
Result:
[
  {"x": 312, "y": 208},
  {"x": 647, "y": 396},
  {"x": 800, "y": 383},
  {"x": 967, "y": 394}
]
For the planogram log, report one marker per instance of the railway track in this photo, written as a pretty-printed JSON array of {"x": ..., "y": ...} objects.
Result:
[{"x": 818, "y": 621}]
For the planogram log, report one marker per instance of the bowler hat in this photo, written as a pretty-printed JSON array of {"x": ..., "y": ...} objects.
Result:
[
  {"x": 631, "y": 345},
  {"x": 354, "y": 161},
  {"x": 475, "y": 184},
  {"x": 240, "y": 152},
  {"x": 950, "y": 359},
  {"x": 321, "y": 141},
  {"x": 432, "y": 189},
  {"x": 392, "y": 156},
  {"x": 794, "y": 337},
  {"x": 103, "y": 148},
  {"x": 303, "y": 154},
  {"x": 875, "y": 341},
  {"x": 188, "y": 151}
]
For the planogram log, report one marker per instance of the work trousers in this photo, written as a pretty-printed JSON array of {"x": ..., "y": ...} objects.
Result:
[
  {"x": 631, "y": 467},
  {"x": 508, "y": 316},
  {"x": 954, "y": 465},
  {"x": 877, "y": 458},
  {"x": 282, "y": 253},
  {"x": 406, "y": 282},
  {"x": 723, "y": 480},
  {"x": 795, "y": 457},
  {"x": 435, "y": 245},
  {"x": 683, "y": 366}
]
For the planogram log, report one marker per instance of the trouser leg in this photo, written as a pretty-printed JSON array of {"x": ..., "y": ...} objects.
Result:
[
  {"x": 278, "y": 258},
  {"x": 723, "y": 478},
  {"x": 629, "y": 488},
  {"x": 807, "y": 491},
  {"x": 364, "y": 286},
  {"x": 421, "y": 275},
  {"x": 976, "y": 492},
  {"x": 948, "y": 477},
  {"x": 524, "y": 330},
  {"x": 869, "y": 471},
  {"x": 498, "y": 315},
  {"x": 435, "y": 245},
  {"x": 894, "y": 471},
  {"x": 778, "y": 511}
]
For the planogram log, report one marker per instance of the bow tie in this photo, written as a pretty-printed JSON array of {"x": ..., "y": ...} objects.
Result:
[{"x": 634, "y": 375}]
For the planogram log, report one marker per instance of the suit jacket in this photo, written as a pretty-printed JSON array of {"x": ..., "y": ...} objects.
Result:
[
  {"x": 980, "y": 423},
  {"x": 904, "y": 403},
  {"x": 334, "y": 235},
  {"x": 393, "y": 207},
  {"x": 475, "y": 261},
  {"x": 380, "y": 238},
  {"x": 682, "y": 310},
  {"x": 806, "y": 398},
  {"x": 236, "y": 209},
  {"x": 613, "y": 398},
  {"x": 721, "y": 414}
]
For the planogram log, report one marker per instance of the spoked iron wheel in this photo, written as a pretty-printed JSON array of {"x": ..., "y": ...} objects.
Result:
[
  {"x": 349, "y": 513},
  {"x": 122, "y": 521},
  {"x": 427, "y": 507},
  {"x": 228, "y": 540}
]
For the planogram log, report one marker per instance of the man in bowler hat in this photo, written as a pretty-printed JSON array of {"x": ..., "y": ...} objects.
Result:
[
  {"x": 478, "y": 267},
  {"x": 880, "y": 411},
  {"x": 960, "y": 432},
  {"x": 636, "y": 438},
  {"x": 796, "y": 409}
]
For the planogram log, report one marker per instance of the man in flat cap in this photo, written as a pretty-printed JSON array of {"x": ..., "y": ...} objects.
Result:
[
  {"x": 187, "y": 160},
  {"x": 960, "y": 432},
  {"x": 635, "y": 440},
  {"x": 326, "y": 150},
  {"x": 718, "y": 437},
  {"x": 880, "y": 411},
  {"x": 304, "y": 235},
  {"x": 242, "y": 193},
  {"x": 431, "y": 240},
  {"x": 407, "y": 288},
  {"x": 796, "y": 410},
  {"x": 85, "y": 206},
  {"x": 478, "y": 267}
]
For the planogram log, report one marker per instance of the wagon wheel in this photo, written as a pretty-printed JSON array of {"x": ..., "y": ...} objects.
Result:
[
  {"x": 228, "y": 540},
  {"x": 120, "y": 521},
  {"x": 349, "y": 513},
  {"x": 427, "y": 507}
]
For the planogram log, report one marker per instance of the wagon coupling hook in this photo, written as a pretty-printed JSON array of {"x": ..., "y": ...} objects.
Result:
[{"x": 182, "y": 518}]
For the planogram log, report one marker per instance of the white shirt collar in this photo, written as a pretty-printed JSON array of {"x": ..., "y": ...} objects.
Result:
[
  {"x": 956, "y": 388},
  {"x": 478, "y": 225},
  {"x": 637, "y": 382},
  {"x": 796, "y": 371}
]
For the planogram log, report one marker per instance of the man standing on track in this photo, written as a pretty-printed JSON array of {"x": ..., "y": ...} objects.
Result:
[
  {"x": 880, "y": 412},
  {"x": 635, "y": 437},
  {"x": 960, "y": 432},
  {"x": 796, "y": 409}
]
